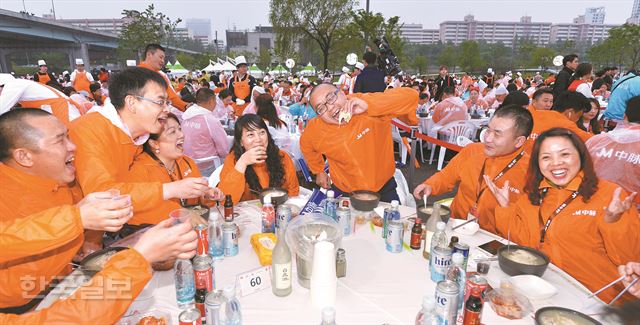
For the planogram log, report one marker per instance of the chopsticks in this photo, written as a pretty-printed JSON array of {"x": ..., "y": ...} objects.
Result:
[
  {"x": 464, "y": 223},
  {"x": 611, "y": 284}
]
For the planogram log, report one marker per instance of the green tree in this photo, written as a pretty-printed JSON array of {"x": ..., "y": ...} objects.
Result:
[
  {"x": 542, "y": 57},
  {"x": 264, "y": 59},
  {"x": 448, "y": 57},
  {"x": 420, "y": 64},
  {"x": 621, "y": 48},
  {"x": 497, "y": 56},
  {"x": 143, "y": 28},
  {"x": 318, "y": 20},
  {"x": 469, "y": 58}
]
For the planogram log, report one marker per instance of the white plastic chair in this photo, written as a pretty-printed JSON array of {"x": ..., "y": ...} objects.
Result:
[
  {"x": 452, "y": 131},
  {"x": 482, "y": 134},
  {"x": 214, "y": 179},
  {"x": 406, "y": 197},
  {"x": 395, "y": 135},
  {"x": 463, "y": 141}
]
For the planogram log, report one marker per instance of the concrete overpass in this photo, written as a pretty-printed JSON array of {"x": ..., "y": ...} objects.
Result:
[{"x": 20, "y": 32}]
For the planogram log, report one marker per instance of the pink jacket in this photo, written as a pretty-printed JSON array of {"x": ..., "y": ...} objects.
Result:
[
  {"x": 449, "y": 110},
  {"x": 204, "y": 136}
]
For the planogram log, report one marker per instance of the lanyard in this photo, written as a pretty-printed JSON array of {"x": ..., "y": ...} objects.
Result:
[
  {"x": 504, "y": 170},
  {"x": 557, "y": 211}
]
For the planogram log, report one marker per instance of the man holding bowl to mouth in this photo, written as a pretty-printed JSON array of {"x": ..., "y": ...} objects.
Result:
[{"x": 354, "y": 134}]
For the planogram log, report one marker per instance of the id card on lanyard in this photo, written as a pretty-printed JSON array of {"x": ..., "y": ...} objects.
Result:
[
  {"x": 473, "y": 212},
  {"x": 545, "y": 225}
]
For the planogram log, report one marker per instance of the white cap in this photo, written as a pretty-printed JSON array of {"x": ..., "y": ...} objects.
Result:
[
  {"x": 429, "y": 303},
  {"x": 79, "y": 61},
  {"x": 266, "y": 199},
  {"x": 41, "y": 62},
  {"x": 331, "y": 194},
  {"x": 490, "y": 70},
  {"x": 520, "y": 74},
  {"x": 240, "y": 60},
  {"x": 345, "y": 69},
  {"x": 395, "y": 203},
  {"x": 360, "y": 66},
  {"x": 501, "y": 90},
  {"x": 441, "y": 225},
  {"x": 457, "y": 258},
  {"x": 131, "y": 63}
]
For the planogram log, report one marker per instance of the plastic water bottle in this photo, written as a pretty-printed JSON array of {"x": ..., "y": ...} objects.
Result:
[
  {"x": 458, "y": 274},
  {"x": 395, "y": 213},
  {"x": 439, "y": 238},
  {"x": 232, "y": 306},
  {"x": 214, "y": 231},
  {"x": 330, "y": 205},
  {"x": 185, "y": 283},
  {"x": 328, "y": 316},
  {"x": 427, "y": 315}
]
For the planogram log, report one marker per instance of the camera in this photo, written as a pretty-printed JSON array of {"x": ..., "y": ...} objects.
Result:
[{"x": 387, "y": 61}]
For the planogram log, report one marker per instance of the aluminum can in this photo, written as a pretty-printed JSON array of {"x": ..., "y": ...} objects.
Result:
[
  {"x": 394, "y": 237},
  {"x": 476, "y": 281},
  {"x": 447, "y": 302},
  {"x": 344, "y": 220},
  {"x": 440, "y": 261},
  {"x": 463, "y": 249},
  {"x": 283, "y": 216},
  {"x": 203, "y": 240},
  {"x": 386, "y": 217},
  {"x": 230, "y": 239},
  {"x": 190, "y": 317},
  {"x": 203, "y": 273}
]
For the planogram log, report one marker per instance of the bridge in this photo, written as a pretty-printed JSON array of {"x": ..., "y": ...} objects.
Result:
[{"x": 20, "y": 32}]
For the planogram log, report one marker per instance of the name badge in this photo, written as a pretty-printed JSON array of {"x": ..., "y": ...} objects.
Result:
[{"x": 254, "y": 281}]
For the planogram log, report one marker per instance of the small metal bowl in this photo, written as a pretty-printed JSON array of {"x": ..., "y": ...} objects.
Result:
[
  {"x": 362, "y": 204},
  {"x": 563, "y": 311},
  {"x": 278, "y": 195},
  {"x": 514, "y": 268},
  {"x": 87, "y": 265}
]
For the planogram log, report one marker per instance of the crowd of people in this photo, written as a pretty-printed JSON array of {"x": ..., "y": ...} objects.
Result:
[{"x": 554, "y": 170}]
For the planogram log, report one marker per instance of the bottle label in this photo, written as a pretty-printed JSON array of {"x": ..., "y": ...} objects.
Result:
[
  {"x": 283, "y": 275},
  {"x": 472, "y": 317}
]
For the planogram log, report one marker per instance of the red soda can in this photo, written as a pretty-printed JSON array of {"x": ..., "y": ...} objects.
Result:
[
  {"x": 203, "y": 273},
  {"x": 203, "y": 241},
  {"x": 190, "y": 317},
  {"x": 476, "y": 281}
]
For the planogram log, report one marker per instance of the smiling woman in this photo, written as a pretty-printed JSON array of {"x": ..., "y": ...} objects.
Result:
[{"x": 586, "y": 226}]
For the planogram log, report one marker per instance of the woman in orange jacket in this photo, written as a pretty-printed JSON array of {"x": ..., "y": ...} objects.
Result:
[
  {"x": 255, "y": 162},
  {"x": 581, "y": 222},
  {"x": 163, "y": 160}
]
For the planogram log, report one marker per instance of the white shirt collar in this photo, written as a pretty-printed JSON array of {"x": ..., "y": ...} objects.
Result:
[{"x": 110, "y": 113}]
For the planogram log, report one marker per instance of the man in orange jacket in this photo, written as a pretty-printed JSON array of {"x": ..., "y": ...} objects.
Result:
[
  {"x": 131, "y": 267},
  {"x": 501, "y": 157},
  {"x": 37, "y": 166},
  {"x": 567, "y": 109},
  {"x": 110, "y": 138},
  {"x": 154, "y": 61},
  {"x": 354, "y": 134}
]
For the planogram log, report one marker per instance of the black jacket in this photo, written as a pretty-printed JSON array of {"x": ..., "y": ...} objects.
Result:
[
  {"x": 442, "y": 83},
  {"x": 371, "y": 80},
  {"x": 562, "y": 82}
]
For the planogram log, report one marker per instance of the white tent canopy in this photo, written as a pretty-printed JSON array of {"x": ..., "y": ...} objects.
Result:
[
  {"x": 228, "y": 67},
  {"x": 210, "y": 67},
  {"x": 218, "y": 67}
]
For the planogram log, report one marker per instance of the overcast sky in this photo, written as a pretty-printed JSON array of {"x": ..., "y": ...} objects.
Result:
[{"x": 245, "y": 14}]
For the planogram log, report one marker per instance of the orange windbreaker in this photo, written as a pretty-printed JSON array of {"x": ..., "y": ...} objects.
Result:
[
  {"x": 360, "y": 153},
  {"x": 464, "y": 170},
  {"x": 122, "y": 279},
  {"x": 544, "y": 120},
  {"x": 23, "y": 195},
  {"x": 147, "y": 169},
  {"x": 578, "y": 239},
  {"x": 175, "y": 99},
  {"x": 233, "y": 182},
  {"x": 103, "y": 161}
]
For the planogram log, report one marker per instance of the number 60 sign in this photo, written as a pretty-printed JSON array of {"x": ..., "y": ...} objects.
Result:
[{"x": 254, "y": 281}]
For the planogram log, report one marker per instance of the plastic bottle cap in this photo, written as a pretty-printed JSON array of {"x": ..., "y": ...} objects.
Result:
[
  {"x": 266, "y": 200},
  {"x": 229, "y": 291},
  {"x": 418, "y": 221},
  {"x": 328, "y": 314},
  {"x": 441, "y": 225},
  {"x": 428, "y": 303},
  {"x": 395, "y": 203},
  {"x": 457, "y": 258},
  {"x": 330, "y": 194}
]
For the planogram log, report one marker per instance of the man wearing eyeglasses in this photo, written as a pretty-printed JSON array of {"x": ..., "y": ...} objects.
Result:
[
  {"x": 109, "y": 139},
  {"x": 354, "y": 134}
]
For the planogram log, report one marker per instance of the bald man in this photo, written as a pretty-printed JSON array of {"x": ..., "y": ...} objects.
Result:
[
  {"x": 36, "y": 169},
  {"x": 354, "y": 133}
]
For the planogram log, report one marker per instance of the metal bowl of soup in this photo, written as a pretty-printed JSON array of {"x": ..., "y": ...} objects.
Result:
[
  {"x": 364, "y": 200},
  {"x": 278, "y": 195},
  {"x": 564, "y": 316},
  {"x": 517, "y": 260}
]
